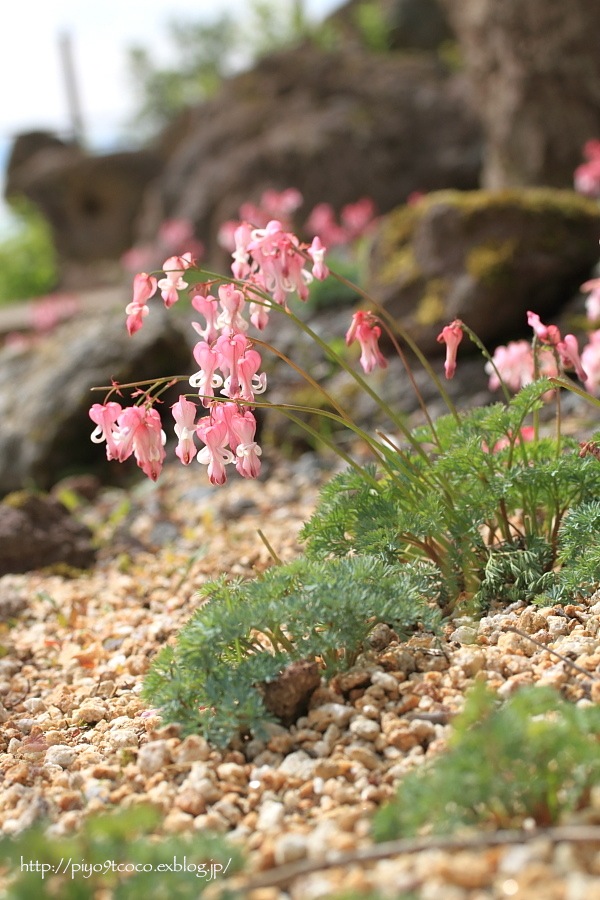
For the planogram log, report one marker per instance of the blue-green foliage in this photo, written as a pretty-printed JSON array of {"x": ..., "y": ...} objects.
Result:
[
  {"x": 246, "y": 632},
  {"x": 485, "y": 509},
  {"x": 535, "y": 756},
  {"x": 109, "y": 846}
]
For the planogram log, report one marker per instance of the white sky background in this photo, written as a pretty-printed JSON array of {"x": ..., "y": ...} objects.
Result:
[{"x": 32, "y": 88}]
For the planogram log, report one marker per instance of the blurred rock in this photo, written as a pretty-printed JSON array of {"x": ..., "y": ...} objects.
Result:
[
  {"x": 38, "y": 531},
  {"x": 485, "y": 257},
  {"x": 535, "y": 73},
  {"x": 45, "y": 389},
  {"x": 337, "y": 125},
  {"x": 89, "y": 201}
]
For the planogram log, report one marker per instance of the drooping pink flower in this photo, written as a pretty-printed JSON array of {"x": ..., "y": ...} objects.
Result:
[
  {"x": 366, "y": 331},
  {"x": 592, "y": 303},
  {"x": 138, "y": 430},
  {"x": 214, "y": 434},
  {"x": 568, "y": 350},
  {"x": 451, "y": 335},
  {"x": 276, "y": 254},
  {"x": 590, "y": 360},
  {"x": 172, "y": 283},
  {"x": 242, "y": 237},
  {"x": 208, "y": 306},
  {"x": 272, "y": 205},
  {"x": 144, "y": 287},
  {"x": 242, "y": 429},
  {"x": 206, "y": 379},
  {"x": 105, "y": 416},
  {"x": 317, "y": 252},
  {"x": 232, "y": 302},
  {"x": 358, "y": 218},
  {"x": 230, "y": 349},
  {"x": 184, "y": 413},
  {"x": 547, "y": 334}
]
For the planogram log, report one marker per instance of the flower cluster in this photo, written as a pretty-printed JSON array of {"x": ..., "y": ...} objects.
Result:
[{"x": 269, "y": 264}]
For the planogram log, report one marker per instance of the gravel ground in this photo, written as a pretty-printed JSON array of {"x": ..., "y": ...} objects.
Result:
[{"x": 75, "y": 737}]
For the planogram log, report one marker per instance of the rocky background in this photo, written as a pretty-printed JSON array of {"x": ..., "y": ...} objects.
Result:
[{"x": 479, "y": 108}]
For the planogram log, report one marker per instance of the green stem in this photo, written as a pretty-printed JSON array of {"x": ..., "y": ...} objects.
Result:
[
  {"x": 405, "y": 336},
  {"x": 486, "y": 354}
]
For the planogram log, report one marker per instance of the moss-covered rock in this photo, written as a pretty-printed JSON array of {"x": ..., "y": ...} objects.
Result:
[{"x": 485, "y": 257}]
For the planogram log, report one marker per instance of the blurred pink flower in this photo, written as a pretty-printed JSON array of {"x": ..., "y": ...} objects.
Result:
[
  {"x": 587, "y": 176},
  {"x": 184, "y": 413},
  {"x": 590, "y": 359},
  {"x": 366, "y": 331},
  {"x": 592, "y": 303},
  {"x": 451, "y": 335}
]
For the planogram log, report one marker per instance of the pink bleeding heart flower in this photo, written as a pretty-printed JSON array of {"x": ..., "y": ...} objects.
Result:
[
  {"x": 184, "y": 413},
  {"x": 144, "y": 287},
  {"x": 366, "y": 331},
  {"x": 451, "y": 335}
]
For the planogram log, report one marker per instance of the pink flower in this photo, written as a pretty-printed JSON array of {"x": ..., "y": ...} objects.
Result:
[
  {"x": 138, "y": 431},
  {"x": 242, "y": 428},
  {"x": 451, "y": 335},
  {"x": 526, "y": 434},
  {"x": 215, "y": 454},
  {"x": 273, "y": 205},
  {"x": 592, "y": 303},
  {"x": 322, "y": 223},
  {"x": 276, "y": 255},
  {"x": 587, "y": 175},
  {"x": 568, "y": 350},
  {"x": 547, "y": 334},
  {"x": 590, "y": 359},
  {"x": 144, "y": 286},
  {"x": 206, "y": 379},
  {"x": 184, "y": 413},
  {"x": 240, "y": 266},
  {"x": 240, "y": 363},
  {"x": 358, "y": 218},
  {"x": 514, "y": 363},
  {"x": 366, "y": 331},
  {"x": 208, "y": 307},
  {"x": 172, "y": 283},
  {"x": 317, "y": 252},
  {"x": 232, "y": 302},
  {"x": 105, "y": 417}
]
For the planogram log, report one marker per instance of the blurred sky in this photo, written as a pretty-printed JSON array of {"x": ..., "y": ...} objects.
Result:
[
  {"x": 101, "y": 31},
  {"x": 33, "y": 95}
]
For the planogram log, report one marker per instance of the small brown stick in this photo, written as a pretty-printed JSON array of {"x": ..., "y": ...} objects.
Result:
[
  {"x": 283, "y": 875},
  {"x": 560, "y": 656}
]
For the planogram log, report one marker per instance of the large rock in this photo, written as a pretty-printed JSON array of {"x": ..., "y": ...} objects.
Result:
[
  {"x": 38, "y": 531},
  {"x": 535, "y": 70},
  {"x": 338, "y": 126},
  {"x": 485, "y": 257},
  {"x": 45, "y": 392},
  {"x": 406, "y": 24},
  {"x": 90, "y": 202}
]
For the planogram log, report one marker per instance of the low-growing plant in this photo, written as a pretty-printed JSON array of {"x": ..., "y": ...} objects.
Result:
[
  {"x": 532, "y": 757},
  {"x": 474, "y": 507},
  {"x": 118, "y": 855},
  {"x": 247, "y": 631}
]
